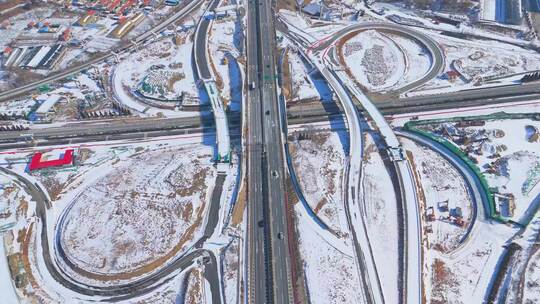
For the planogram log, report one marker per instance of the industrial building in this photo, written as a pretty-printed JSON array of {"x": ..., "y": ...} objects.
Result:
[
  {"x": 89, "y": 18},
  {"x": 122, "y": 29},
  {"x": 502, "y": 11},
  {"x": 35, "y": 57},
  {"x": 46, "y": 107},
  {"x": 36, "y": 163}
]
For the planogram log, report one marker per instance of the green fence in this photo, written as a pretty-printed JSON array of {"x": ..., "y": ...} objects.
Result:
[
  {"x": 493, "y": 116},
  {"x": 411, "y": 126}
]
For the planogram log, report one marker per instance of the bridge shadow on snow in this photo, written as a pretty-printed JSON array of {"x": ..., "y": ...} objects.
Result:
[{"x": 337, "y": 122}]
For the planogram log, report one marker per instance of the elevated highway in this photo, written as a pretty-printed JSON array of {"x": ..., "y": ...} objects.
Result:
[
  {"x": 342, "y": 84},
  {"x": 200, "y": 50},
  {"x": 412, "y": 276},
  {"x": 258, "y": 281},
  {"x": 268, "y": 226},
  {"x": 372, "y": 290}
]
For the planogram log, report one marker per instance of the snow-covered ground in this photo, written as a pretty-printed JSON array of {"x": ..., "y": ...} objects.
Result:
[
  {"x": 417, "y": 59},
  {"x": 129, "y": 73},
  {"x": 302, "y": 85},
  {"x": 440, "y": 182},
  {"x": 231, "y": 270},
  {"x": 464, "y": 276},
  {"x": 223, "y": 43},
  {"x": 379, "y": 199},
  {"x": 304, "y": 24},
  {"x": 12, "y": 207},
  {"x": 509, "y": 160},
  {"x": 331, "y": 275},
  {"x": 17, "y": 107},
  {"x": 532, "y": 279},
  {"x": 181, "y": 176},
  {"x": 374, "y": 60},
  {"x": 481, "y": 59},
  {"x": 20, "y": 22},
  {"x": 7, "y": 287},
  {"x": 195, "y": 287},
  {"x": 103, "y": 231},
  {"x": 503, "y": 55},
  {"x": 318, "y": 162},
  {"x": 521, "y": 281}
]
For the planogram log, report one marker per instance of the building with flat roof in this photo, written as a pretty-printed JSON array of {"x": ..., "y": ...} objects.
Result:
[
  {"x": 65, "y": 159},
  {"x": 47, "y": 107}
]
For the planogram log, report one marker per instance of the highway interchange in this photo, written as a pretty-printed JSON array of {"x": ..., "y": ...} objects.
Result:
[{"x": 268, "y": 266}]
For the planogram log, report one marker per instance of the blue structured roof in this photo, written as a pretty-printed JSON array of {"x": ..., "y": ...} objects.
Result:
[
  {"x": 314, "y": 9},
  {"x": 533, "y": 5}
]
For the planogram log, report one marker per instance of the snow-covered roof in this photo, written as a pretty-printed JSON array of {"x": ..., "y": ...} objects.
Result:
[
  {"x": 314, "y": 9},
  {"x": 46, "y": 106}
]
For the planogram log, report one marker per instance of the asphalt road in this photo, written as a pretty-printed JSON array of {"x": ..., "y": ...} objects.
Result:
[
  {"x": 269, "y": 262},
  {"x": 200, "y": 48},
  {"x": 133, "y": 128},
  {"x": 339, "y": 80},
  {"x": 257, "y": 250},
  {"x": 465, "y": 98},
  {"x": 263, "y": 140},
  {"x": 274, "y": 173}
]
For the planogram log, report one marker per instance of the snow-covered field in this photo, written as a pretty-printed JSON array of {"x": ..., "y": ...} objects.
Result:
[
  {"x": 331, "y": 275},
  {"x": 318, "y": 162},
  {"x": 195, "y": 287},
  {"x": 463, "y": 276},
  {"x": 379, "y": 199},
  {"x": 521, "y": 281},
  {"x": 303, "y": 86},
  {"x": 417, "y": 59},
  {"x": 507, "y": 153},
  {"x": 532, "y": 279},
  {"x": 224, "y": 45},
  {"x": 129, "y": 73},
  {"x": 304, "y": 24},
  {"x": 232, "y": 268},
  {"x": 374, "y": 60},
  {"x": 20, "y": 22},
  {"x": 440, "y": 182},
  {"x": 119, "y": 215},
  {"x": 479, "y": 60},
  {"x": 17, "y": 107},
  {"x": 136, "y": 215},
  {"x": 14, "y": 204},
  {"x": 509, "y": 160}
]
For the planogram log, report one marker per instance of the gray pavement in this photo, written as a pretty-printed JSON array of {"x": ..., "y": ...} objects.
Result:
[
  {"x": 274, "y": 173},
  {"x": 269, "y": 262},
  {"x": 257, "y": 273},
  {"x": 200, "y": 48}
]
